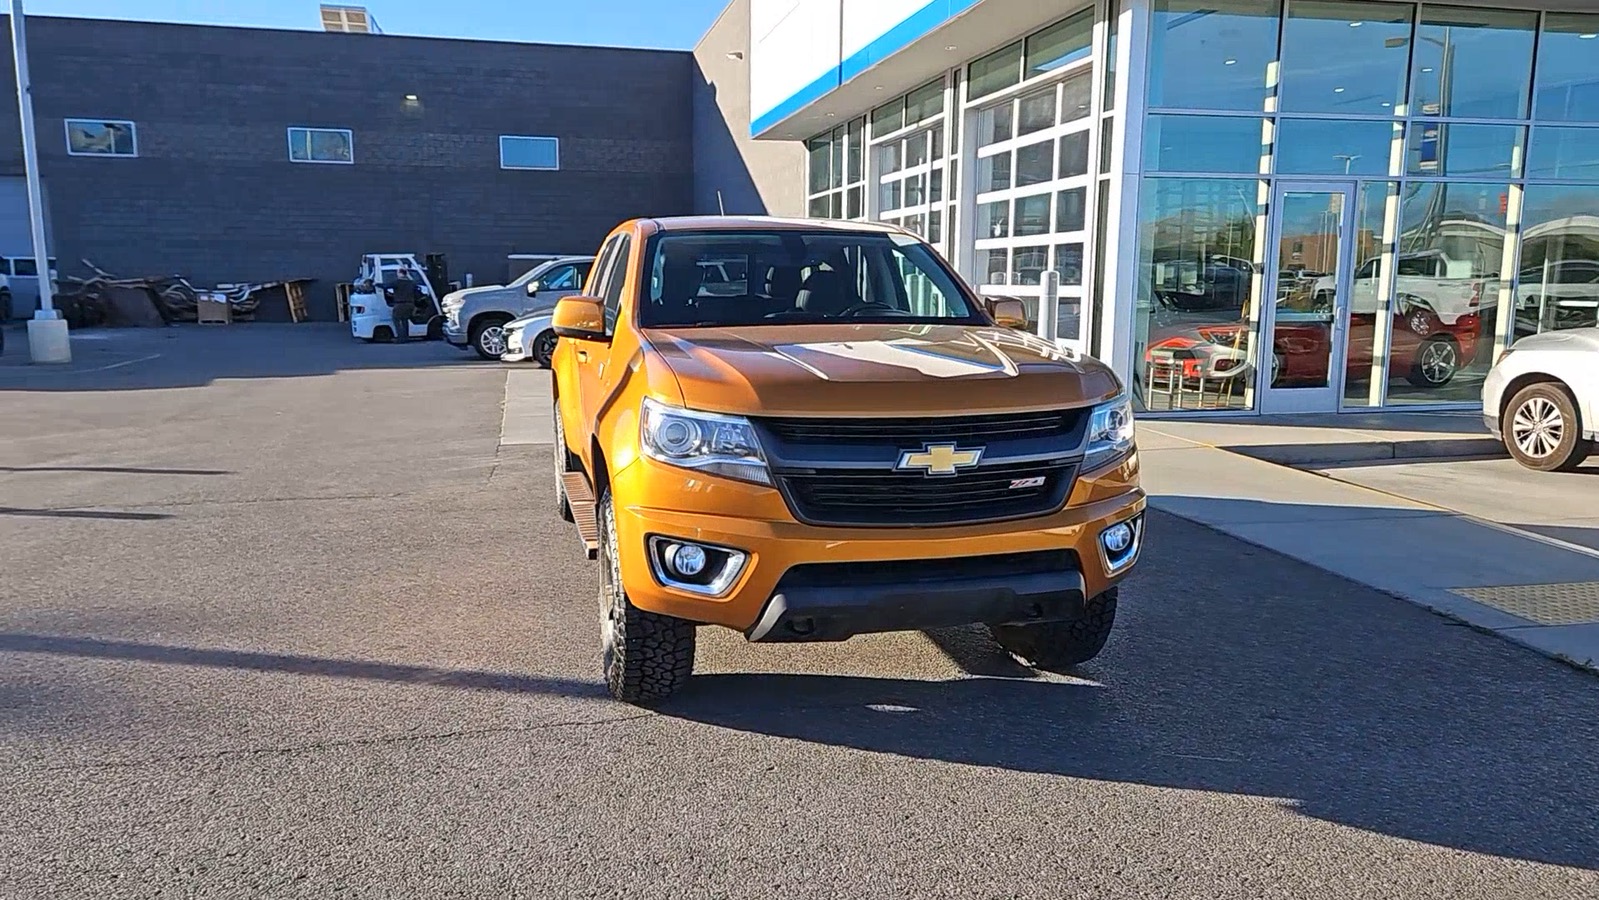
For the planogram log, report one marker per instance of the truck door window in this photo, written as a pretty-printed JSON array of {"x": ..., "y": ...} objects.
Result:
[
  {"x": 615, "y": 280},
  {"x": 561, "y": 278}
]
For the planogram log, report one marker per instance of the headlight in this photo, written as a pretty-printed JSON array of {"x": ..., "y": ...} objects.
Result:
[
  {"x": 721, "y": 445},
  {"x": 1110, "y": 432}
]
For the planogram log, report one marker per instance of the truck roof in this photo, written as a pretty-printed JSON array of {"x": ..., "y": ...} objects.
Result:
[{"x": 769, "y": 223}]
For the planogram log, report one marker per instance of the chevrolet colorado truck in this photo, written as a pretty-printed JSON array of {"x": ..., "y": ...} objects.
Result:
[{"x": 835, "y": 438}]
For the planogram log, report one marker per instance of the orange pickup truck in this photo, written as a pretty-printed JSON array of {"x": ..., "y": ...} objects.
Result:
[{"x": 812, "y": 430}]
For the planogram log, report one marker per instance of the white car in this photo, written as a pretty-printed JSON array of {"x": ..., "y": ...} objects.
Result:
[
  {"x": 531, "y": 337},
  {"x": 1542, "y": 399}
]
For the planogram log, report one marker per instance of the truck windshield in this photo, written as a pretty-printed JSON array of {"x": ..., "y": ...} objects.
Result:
[{"x": 702, "y": 280}]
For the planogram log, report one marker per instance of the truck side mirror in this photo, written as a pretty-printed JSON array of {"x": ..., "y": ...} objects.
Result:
[
  {"x": 1009, "y": 314},
  {"x": 580, "y": 318},
  {"x": 533, "y": 288}
]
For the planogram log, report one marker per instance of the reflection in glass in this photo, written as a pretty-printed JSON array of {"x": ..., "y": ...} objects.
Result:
[
  {"x": 837, "y": 162},
  {"x": 856, "y": 207},
  {"x": 916, "y": 150},
  {"x": 1472, "y": 63},
  {"x": 915, "y": 190},
  {"x": 821, "y": 170},
  {"x": 1446, "y": 290},
  {"x": 1035, "y": 163},
  {"x": 1193, "y": 336},
  {"x": 995, "y": 72},
  {"x": 1441, "y": 148},
  {"x": 1074, "y": 154},
  {"x": 1568, "y": 69},
  {"x": 1366, "y": 350},
  {"x": 1070, "y": 214},
  {"x": 924, "y": 103},
  {"x": 993, "y": 264},
  {"x": 1332, "y": 147},
  {"x": 1564, "y": 152},
  {"x": 890, "y": 196},
  {"x": 993, "y": 172},
  {"x": 1061, "y": 44},
  {"x": 993, "y": 219},
  {"x": 1032, "y": 215},
  {"x": 1069, "y": 263},
  {"x": 1175, "y": 143},
  {"x": 994, "y": 125},
  {"x": 1037, "y": 111},
  {"x": 1310, "y": 259},
  {"x": 888, "y": 117},
  {"x": 935, "y": 191},
  {"x": 1212, "y": 54},
  {"x": 935, "y": 227},
  {"x": 1077, "y": 92},
  {"x": 889, "y": 159},
  {"x": 857, "y": 140},
  {"x": 1028, "y": 265},
  {"x": 1558, "y": 286},
  {"x": 1345, "y": 57}
]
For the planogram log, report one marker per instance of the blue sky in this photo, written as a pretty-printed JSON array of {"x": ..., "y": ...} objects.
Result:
[{"x": 674, "y": 24}]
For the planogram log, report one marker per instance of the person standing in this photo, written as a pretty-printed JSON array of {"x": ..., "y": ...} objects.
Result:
[{"x": 402, "y": 300}]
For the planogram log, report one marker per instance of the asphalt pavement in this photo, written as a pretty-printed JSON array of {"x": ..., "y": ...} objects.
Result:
[{"x": 281, "y": 616}]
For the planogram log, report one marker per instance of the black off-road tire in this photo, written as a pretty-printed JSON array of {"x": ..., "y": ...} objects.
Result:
[
  {"x": 1061, "y": 645},
  {"x": 1545, "y": 407},
  {"x": 647, "y": 657}
]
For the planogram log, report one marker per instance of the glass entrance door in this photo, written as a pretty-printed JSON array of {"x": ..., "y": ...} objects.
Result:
[{"x": 1302, "y": 366}]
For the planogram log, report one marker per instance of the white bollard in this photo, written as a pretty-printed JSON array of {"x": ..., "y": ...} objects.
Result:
[{"x": 48, "y": 341}]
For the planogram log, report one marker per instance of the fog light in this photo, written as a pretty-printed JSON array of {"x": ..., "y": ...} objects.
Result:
[
  {"x": 687, "y": 560},
  {"x": 1118, "y": 538}
]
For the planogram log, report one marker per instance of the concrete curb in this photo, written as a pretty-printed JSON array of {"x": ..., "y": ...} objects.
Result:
[{"x": 1297, "y": 455}]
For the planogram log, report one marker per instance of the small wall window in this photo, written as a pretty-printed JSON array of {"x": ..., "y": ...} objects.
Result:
[
  {"x": 536, "y": 153},
  {"x": 321, "y": 145},
  {"x": 101, "y": 137}
]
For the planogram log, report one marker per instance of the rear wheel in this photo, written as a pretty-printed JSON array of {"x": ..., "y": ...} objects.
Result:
[
  {"x": 1061, "y": 645},
  {"x": 544, "y": 349},
  {"x": 1543, "y": 429},
  {"x": 383, "y": 334},
  {"x": 647, "y": 657},
  {"x": 488, "y": 337}
]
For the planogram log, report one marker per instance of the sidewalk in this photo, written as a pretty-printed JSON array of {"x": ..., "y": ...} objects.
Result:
[{"x": 1362, "y": 504}]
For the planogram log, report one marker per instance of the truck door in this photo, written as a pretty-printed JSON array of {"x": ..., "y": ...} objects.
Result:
[{"x": 594, "y": 378}]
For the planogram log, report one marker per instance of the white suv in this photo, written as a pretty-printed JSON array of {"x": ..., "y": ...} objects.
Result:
[{"x": 1542, "y": 399}]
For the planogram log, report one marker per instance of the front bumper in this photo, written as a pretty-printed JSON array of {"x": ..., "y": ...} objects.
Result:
[
  {"x": 807, "y": 582},
  {"x": 454, "y": 332}
]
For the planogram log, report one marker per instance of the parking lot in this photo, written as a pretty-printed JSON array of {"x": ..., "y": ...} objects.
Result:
[{"x": 283, "y": 614}]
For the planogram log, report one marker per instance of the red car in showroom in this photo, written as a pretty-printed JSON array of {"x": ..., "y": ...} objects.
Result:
[{"x": 1425, "y": 351}]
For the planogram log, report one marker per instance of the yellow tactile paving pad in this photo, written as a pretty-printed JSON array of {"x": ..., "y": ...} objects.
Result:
[{"x": 1573, "y": 603}]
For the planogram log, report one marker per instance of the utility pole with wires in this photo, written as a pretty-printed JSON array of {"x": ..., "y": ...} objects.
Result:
[{"x": 48, "y": 340}]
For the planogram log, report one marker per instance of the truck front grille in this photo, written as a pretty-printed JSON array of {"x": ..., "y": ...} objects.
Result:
[
  {"x": 982, "y": 429},
  {"x": 882, "y": 498}
]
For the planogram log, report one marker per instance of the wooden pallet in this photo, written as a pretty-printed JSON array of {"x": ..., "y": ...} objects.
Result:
[
  {"x": 295, "y": 291},
  {"x": 581, "y": 499},
  {"x": 341, "y": 296}
]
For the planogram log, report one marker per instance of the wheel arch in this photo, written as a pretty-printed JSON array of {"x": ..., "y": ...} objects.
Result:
[{"x": 1527, "y": 380}]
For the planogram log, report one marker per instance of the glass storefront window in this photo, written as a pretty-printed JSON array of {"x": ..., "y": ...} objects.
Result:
[
  {"x": 1061, "y": 44},
  {"x": 1226, "y": 144},
  {"x": 821, "y": 163},
  {"x": 890, "y": 195},
  {"x": 1032, "y": 216},
  {"x": 1212, "y": 54},
  {"x": 1028, "y": 265},
  {"x": 856, "y": 135},
  {"x": 995, "y": 72},
  {"x": 856, "y": 203},
  {"x": 1558, "y": 286},
  {"x": 993, "y": 265},
  {"x": 1472, "y": 63},
  {"x": 994, "y": 125},
  {"x": 1071, "y": 210},
  {"x": 1345, "y": 58},
  {"x": 1334, "y": 147},
  {"x": 993, "y": 173},
  {"x": 924, "y": 103},
  {"x": 888, "y": 118},
  {"x": 1110, "y": 60},
  {"x": 1074, "y": 154},
  {"x": 1037, "y": 111},
  {"x": 889, "y": 159},
  {"x": 1371, "y": 292},
  {"x": 1565, "y": 152},
  {"x": 1069, "y": 263},
  {"x": 993, "y": 219},
  {"x": 1450, "y": 259},
  {"x": 1568, "y": 69},
  {"x": 1035, "y": 163},
  {"x": 1192, "y": 334},
  {"x": 1076, "y": 94},
  {"x": 1444, "y": 148}
]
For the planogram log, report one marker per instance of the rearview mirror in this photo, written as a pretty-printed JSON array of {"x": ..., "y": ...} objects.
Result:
[
  {"x": 1008, "y": 313},
  {"x": 533, "y": 288},
  {"x": 580, "y": 318}
]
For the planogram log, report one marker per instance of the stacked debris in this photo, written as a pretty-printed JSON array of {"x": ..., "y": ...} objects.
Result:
[{"x": 105, "y": 299}]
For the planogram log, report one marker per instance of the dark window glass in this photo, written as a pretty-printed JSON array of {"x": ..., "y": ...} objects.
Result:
[
  {"x": 1330, "y": 147},
  {"x": 1032, "y": 216},
  {"x": 1568, "y": 68},
  {"x": 1069, "y": 263},
  {"x": 1077, "y": 93},
  {"x": 1212, "y": 54},
  {"x": 993, "y": 172},
  {"x": 1061, "y": 44},
  {"x": 888, "y": 118},
  {"x": 1070, "y": 211},
  {"x": 857, "y": 146},
  {"x": 1074, "y": 154},
  {"x": 821, "y": 161},
  {"x": 993, "y": 219},
  {"x": 995, "y": 72},
  {"x": 1563, "y": 152},
  {"x": 1438, "y": 148},
  {"x": 1035, "y": 163},
  {"x": 1201, "y": 144},
  {"x": 1037, "y": 111},
  {"x": 924, "y": 103},
  {"x": 994, "y": 124}
]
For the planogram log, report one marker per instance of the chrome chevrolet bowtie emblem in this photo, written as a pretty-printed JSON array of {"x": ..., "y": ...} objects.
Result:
[{"x": 939, "y": 459}]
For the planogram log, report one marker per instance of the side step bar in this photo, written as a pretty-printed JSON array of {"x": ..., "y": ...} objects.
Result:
[{"x": 581, "y": 498}]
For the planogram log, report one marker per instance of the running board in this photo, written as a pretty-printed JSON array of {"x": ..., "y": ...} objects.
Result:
[{"x": 581, "y": 499}]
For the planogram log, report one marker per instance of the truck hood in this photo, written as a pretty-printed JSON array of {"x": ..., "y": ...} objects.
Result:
[
  {"x": 455, "y": 298},
  {"x": 889, "y": 370}
]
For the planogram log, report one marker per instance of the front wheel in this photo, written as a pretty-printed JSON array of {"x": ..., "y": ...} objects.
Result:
[
  {"x": 1436, "y": 363},
  {"x": 1061, "y": 645},
  {"x": 488, "y": 338},
  {"x": 647, "y": 657},
  {"x": 563, "y": 465},
  {"x": 1543, "y": 430}
]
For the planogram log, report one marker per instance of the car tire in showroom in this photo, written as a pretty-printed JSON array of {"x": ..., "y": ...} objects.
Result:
[
  {"x": 647, "y": 656},
  {"x": 1543, "y": 429},
  {"x": 1061, "y": 645},
  {"x": 488, "y": 336},
  {"x": 1437, "y": 361}
]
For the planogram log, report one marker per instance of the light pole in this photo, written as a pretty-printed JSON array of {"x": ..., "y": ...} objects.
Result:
[{"x": 48, "y": 341}]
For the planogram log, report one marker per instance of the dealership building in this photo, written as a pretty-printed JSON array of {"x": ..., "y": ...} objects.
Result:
[{"x": 1242, "y": 205}]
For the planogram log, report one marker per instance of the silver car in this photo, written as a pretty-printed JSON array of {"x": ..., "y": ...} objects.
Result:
[
  {"x": 476, "y": 317},
  {"x": 531, "y": 339}
]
